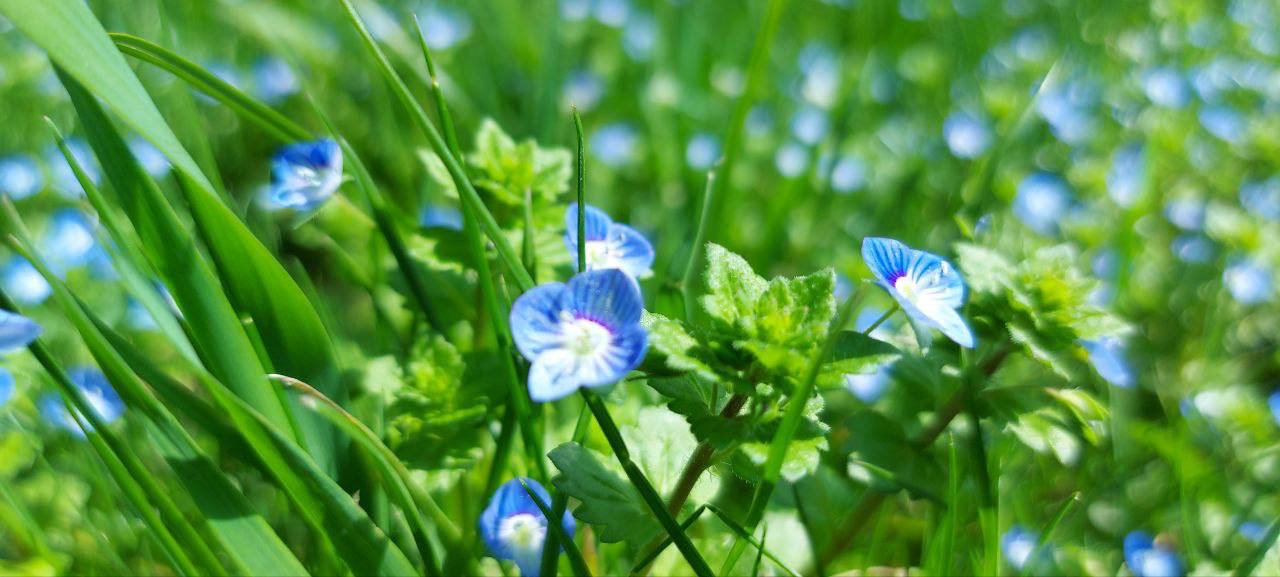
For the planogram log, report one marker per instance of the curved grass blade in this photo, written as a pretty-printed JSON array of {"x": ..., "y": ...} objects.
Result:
[
  {"x": 570, "y": 548},
  {"x": 250, "y": 108},
  {"x": 644, "y": 561},
  {"x": 764, "y": 536},
  {"x": 742, "y": 533},
  {"x": 465, "y": 189},
  {"x": 1255, "y": 557}
]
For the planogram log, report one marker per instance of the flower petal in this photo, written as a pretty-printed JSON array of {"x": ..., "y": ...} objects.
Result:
[
  {"x": 16, "y": 331},
  {"x": 888, "y": 259},
  {"x": 609, "y": 297},
  {"x": 630, "y": 251},
  {"x": 947, "y": 320},
  {"x": 597, "y": 225},
  {"x": 553, "y": 375},
  {"x": 535, "y": 319},
  {"x": 936, "y": 280},
  {"x": 623, "y": 354}
]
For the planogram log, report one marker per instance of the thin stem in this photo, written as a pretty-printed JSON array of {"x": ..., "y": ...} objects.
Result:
[
  {"x": 884, "y": 317},
  {"x": 665, "y": 542},
  {"x": 699, "y": 238},
  {"x": 642, "y": 485},
  {"x": 560, "y": 503},
  {"x": 582, "y": 193}
]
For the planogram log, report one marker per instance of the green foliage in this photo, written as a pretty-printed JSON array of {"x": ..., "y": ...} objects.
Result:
[
  {"x": 608, "y": 502},
  {"x": 507, "y": 169},
  {"x": 434, "y": 411}
]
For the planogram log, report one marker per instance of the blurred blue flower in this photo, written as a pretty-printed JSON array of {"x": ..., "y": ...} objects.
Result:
[
  {"x": 16, "y": 331},
  {"x": 137, "y": 317},
  {"x": 1185, "y": 213},
  {"x": 152, "y": 160},
  {"x": 64, "y": 180},
  {"x": 869, "y": 387},
  {"x": 1212, "y": 79},
  {"x": 1147, "y": 559},
  {"x": 582, "y": 89},
  {"x": 303, "y": 176},
  {"x": 97, "y": 392},
  {"x": 614, "y": 144},
  {"x": 1069, "y": 111},
  {"x": 1273, "y": 401},
  {"x": 1165, "y": 86},
  {"x": 436, "y": 216},
  {"x": 1253, "y": 531},
  {"x": 23, "y": 282},
  {"x": 1262, "y": 197},
  {"x": 585, "y": 333},
  {"x": 1223, "y": 122},
  {"x": 849, "y": 174},
  {"x": 759, "y": 122},
  {"x": 6, "y": 386},
  {"x": 444, "y": 27},
  {"x": 514, "y": 528},
  {"x": 1018, "y": 545},
  {"x": 1108, "y": 356},
  {"x": 1192, "y": 248},
  {"x": 1124, "y": 180},
  {"x": 928, "y": 288},
  {"x": 20, "y": 176},
  {"x": 1041, "y": 202},
  {"x": 809, "y": 125},
  {"x": 821, "y": 69},
  {"x": 703, "y": 151},
  {"x": 869, "y": 315},
  {"x": 639, "y": 37},
  {"x": 791, "y": 159},
  {"x": 913, "y": 10},
  {"x": 1248, "y": 281},
  {"x": 274, "y": 79},
  {"x": 610, "y": 245},
  {"x": 224, "y": 72},
  {"x": 613, "y": 13},
  {"x": 967, "y": 135},
  {"x": 69, "y": 242}
]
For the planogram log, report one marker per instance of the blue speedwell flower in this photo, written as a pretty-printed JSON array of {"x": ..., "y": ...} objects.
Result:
[
  {"x": 513, "y": 527},
  {"x": 609, "y": 244},
  {"x": 303, "y": 176},
  {"x": 16, "y": 331},
  {"x": 869, "y": 387},
  {"x": 23, "y": 282},
  {"x": 1273, "y": 401},
  {"x": 1042, "y": 200},
  {"x": 69, "y": 241},
  {"x": 96, "y": 390},
  {"x": 1018, "y": 545},
  {"x": 1108, "y": 358},
  {"x": 20, "y": 176},
  {"x": 6, "y": 386},
  {"x": 585, "y": 333},
  {"x": 1148, "y": 559},
  {"x": 928, "y": 288}
]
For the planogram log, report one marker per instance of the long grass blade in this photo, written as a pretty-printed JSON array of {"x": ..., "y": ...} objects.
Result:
[
  {"x": 743, "y": 534},
  {"x": 553, "y": 522}
]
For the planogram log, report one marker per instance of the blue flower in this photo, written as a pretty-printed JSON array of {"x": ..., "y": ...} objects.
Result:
[
  {"x": 612, "y": 13},
  {"x": 1069, "y": 111},
  {"x": 1253, "y": 531},
  {"x": 1166, "y": 87},
  {"x": 6, "y": 386},
  {"x": 849, "y": 174},
  {"x": 1249, "y": 282},
  {"x": 1018, "y": 545},
  {"x": 791, "y": 159},
  {"x": 514, "y": 528},
  {"x": 702, "y": 152},
  {"x": 274, "y": 79},
  {"x": 444, "y": 27},
  {"x": 1124, "y": 180},
  {"x": 1042, "y": 200},
  {"x": 20, "y": 176},
  {"x": 152, "y": 160},
  {"x": 16, "y": 331},
  {"x": 97, "y": 392},
  {"x": 303, "y": 176},
  {"x": 1108, "y": 358},
  {"x": 927, "y": 287},
  {"x": 64, "y": 179},
  {"x": 1223, "y": 122},
  {"x": 1192, "y": 248},
  {"x": 69, "y": 241},
  {"x": 809, "y": 125},
  {"x": 639, "y": 37},
  {"x": 614, "y": 144},
  {"x": 869, "y": 387},
  {"x": 585, "y": 333},
  {"x": 609, "y": 245},
  {"x": 23, "y": 282},
  {"x": 967, "y": 135},
  {"x": 1187, "y": 213},
  {"x": 1262, "y": 197},
  {"x": 434, "y": 216},
  {"x": 583, "y": 89},
  {"x": 1273, "y": 401},
  {"x": 1147, "y": 559}
]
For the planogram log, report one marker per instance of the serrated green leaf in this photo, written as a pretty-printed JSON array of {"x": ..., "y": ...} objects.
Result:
[
  {"x": 985, "y": 270},
  {"x": 670, "y": 339},
  {"x": 733, "y": 288},
  {"x": 607, "y": 501},
  {"x": 661, "y": 443},
  {"x": 855, "y": 354},
  {"x": 506, "y": 169},
  {"x": 432, "y": 414}
]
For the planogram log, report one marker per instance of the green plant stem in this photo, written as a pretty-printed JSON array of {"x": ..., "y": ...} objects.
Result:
[
  {"x": 695, "y": 251},
  {"x": 642, "y": 485},
  {"x": 884, "y": 317},
  {"x": 648, "y": 559},
  {"x": 560, "y": 502},
  {"x": 1255, "y": 557},
  {"x": 582, "y": 192},
  {"x": 553, "y": 523}
]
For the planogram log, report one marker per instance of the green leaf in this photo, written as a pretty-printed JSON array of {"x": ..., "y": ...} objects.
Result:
[
  {"x": 660, "y": 443},
  {"x": 791, "y": 319},
  {"x": 434, "y": 414},
  {"x": 854, "y": 354},
  {"x": 507, "y": 169},
  {"x": 680, "y": 349},
  {"x": 806, "y": 445},
  {"x": 985, "y": 270},
  {"x": 607, "y": 501},
  {"x": 733, "y": 288}
]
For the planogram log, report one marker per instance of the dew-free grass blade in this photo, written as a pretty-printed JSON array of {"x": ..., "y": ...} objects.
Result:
[
  {"x": 570, "y": 548},
  {"x": 742, "y": 533}
]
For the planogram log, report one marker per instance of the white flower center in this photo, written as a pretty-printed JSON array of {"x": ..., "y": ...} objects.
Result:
[
  {"x": 906, "y": 287},
  {"x": 522, "y": 532},
  {"x": 598, "y": 254},
  {"x": 584, "y": 337},
  {"x": 307, "y": 175}
]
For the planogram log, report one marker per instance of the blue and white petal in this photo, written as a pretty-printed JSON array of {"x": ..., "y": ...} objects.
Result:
[
  {"x": 1108, "y": 358},
  {"x": 597, "y": 224},
  {"x": 536, "y": 318},
  {"x": 605, "y": 296},
  {"x": 69, "y": 241},
  {"x": 927, "y": 287},
  {"x": 304, "y": 175},
  {"x": 97, "y": 392},
  {"x": 888, "y": 259},
  {"x": 513, "y": 527},
  {"x": 24, "y": 283},
  {"x": 626, "y": 250},
  {"x": 16, "y": 331},
  {"x": 6, "y": 386}
]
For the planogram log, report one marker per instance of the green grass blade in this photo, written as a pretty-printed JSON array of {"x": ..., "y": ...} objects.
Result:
[
  {"x": 465, "y": 189},
  {"x": 193, "y": 74},
  {"x": 582, "y": 192},
  {"x": 743, "y": 534},
  {"x": 1255, "y": 557},
  {"x": 570, "y": 548},
  {"x": 764, "y": 536},
  {"x": 652, "y": 555}
]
